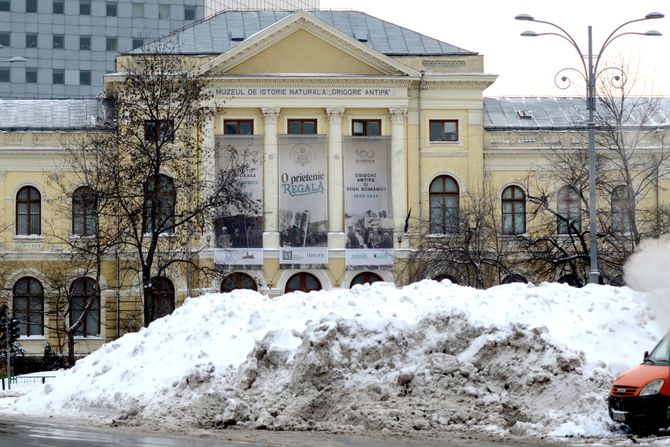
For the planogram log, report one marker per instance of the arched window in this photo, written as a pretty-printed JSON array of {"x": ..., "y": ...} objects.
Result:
[
  {"x": 238, "y": 281},
  {"x": 571, "y": 280},
  {"x": 509, "y": 279},
  {"x": 28, "y": 211},
  {"x": 622, "y": 207},
  {"x": 444, "y": 276},
  {"x": 569, "y": 210},
  {"x": 83, "y": 293},
  {"x": 365, "y": 278},
  {"x": 84, "y": 211},
  {"x": 29, "y": 306},
  {"x": 513, "y": 210},
  {"x": 305, "y": 282},
  {"x": 159, "y": 202},
  {"x": 163, "y": 298},
  {"x": 444, "y": 205}
]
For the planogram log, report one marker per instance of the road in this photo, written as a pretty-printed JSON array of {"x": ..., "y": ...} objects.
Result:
[{"x": 39, "y": 433}]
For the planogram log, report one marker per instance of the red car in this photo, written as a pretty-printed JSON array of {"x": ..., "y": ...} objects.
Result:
[{"x": 640, "y": 397}]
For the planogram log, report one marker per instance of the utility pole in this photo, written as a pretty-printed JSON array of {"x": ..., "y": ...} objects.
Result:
[{"x": 4, "y": 320}]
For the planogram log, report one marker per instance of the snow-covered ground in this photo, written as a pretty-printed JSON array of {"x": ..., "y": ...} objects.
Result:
[{"x": 515, "y": 359}]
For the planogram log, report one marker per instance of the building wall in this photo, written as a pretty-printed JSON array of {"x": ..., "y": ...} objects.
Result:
[{"x": 271, "y": 82}]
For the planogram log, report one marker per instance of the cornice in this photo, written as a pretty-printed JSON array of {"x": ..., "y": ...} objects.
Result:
[{"x": 290, "y": 80}]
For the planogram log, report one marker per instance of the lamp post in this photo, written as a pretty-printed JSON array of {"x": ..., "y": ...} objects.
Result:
[{"x": 589, "y": 71}]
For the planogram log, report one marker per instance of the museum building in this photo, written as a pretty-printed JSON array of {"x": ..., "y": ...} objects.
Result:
[{"x": 356, "y": 130}]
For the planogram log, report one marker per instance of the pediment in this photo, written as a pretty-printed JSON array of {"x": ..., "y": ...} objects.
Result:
[{"x": 302, "y": 43}]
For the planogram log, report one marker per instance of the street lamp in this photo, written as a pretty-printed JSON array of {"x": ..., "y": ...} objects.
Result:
[{"x": 590, "y": 73}]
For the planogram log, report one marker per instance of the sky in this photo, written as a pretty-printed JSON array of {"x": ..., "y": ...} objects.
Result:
[
  {"x": 527, "y": 66},
  {"x": 429, "y": 355}
]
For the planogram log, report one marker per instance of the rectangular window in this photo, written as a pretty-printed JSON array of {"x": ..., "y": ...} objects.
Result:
[
  {"x": 5, "y": 39},
  {"x": 302, "y": 126},
  {"x": 163, "y": 12},
  {"x": 58, "y": 6},
  {"x": 112, "y": 9},
  {"x": 58, "y": 76},
  {"x": 4, "y": 74},
  {"x": 159, "y": 131},
  {"x": 444, "y": 130},
  {"x": 137, "y": 42},
  {"x": 368, "y": 128},
  {"x": 112, "y": 44},
  {"x": 84, "y": 77},
  {"x": 31, "y": 40},
  {"x": 84, "y": 8},
  {"x": 189, "y": 12},
  {"x": 58, "y": 41},
  {"x": 31, "y": 5},
  {"x": 31, "y": 75},
  {"x": 138, "y": 10},
  {"x": 4, "y": 5},
  {"x": 238, "y": 127},
  {"x": 84, "y": 42}
]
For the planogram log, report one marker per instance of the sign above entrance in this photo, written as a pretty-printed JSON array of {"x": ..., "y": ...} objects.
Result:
[{"x": 363, "y": 92}]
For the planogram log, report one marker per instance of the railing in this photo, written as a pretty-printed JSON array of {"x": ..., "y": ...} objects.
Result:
[{"x": 27, "y": 380}]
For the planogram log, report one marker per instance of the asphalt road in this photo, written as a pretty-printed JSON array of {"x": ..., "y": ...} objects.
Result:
[{"x": 41, "y": 433}]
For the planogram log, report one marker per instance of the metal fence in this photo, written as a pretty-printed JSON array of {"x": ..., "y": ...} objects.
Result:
[{"x": 25, "y": 380}]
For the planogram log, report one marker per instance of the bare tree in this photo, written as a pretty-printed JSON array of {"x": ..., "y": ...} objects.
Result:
[
  {"x": 150, "y": 196},
  {"x": 631, "y": 157},
  {"x": 469, "y": 249}
]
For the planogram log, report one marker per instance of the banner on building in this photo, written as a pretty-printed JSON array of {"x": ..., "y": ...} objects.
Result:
[
  {"x": 303, "y": 201},
  {"x": 368, "y": 221},
  {"x": 239, "y": 235}
]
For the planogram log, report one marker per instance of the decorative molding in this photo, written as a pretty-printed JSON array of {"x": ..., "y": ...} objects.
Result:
[
  {"x": 335, "y": 114},
  {"x": 297, "y": 81},
  {"x": 398, "y": 115},
  {"x": 270, "y": 114}
]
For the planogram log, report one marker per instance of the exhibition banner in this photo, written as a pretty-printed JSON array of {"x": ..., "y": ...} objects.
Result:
[
  {"x": 368, "y": 221},
  {"x": 239, "y": 234},
  {"x": 303, "y": 201}
]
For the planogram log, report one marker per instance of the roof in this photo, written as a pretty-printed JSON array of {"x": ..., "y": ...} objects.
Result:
[
  {"x": 561, "y": 113},
  {"x": 53, "y": 114},
  {"x": 227, "y": 29}
]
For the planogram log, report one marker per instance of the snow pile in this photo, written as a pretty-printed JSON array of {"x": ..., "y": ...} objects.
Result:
[{"x": 430, "y": 356}]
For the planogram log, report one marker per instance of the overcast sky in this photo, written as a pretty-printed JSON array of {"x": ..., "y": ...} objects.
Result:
[{"x": 526, "y": 66}]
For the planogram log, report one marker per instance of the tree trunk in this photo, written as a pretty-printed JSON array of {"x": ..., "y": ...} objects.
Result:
[{"x": 70, "y": 348}]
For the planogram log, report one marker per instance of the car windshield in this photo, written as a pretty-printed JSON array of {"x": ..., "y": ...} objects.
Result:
[{"x": 661, "y": 352}]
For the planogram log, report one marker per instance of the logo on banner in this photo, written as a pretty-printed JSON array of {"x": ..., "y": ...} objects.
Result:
[
  {"x": 302, "y": 155},
  {"x": 365, "y": 156}
]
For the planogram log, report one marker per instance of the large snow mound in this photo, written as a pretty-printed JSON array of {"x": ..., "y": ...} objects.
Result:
[{"x": 518, "y": 358}]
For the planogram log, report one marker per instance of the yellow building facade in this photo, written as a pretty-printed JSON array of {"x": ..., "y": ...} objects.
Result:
[{"x": 357, "y": 131}]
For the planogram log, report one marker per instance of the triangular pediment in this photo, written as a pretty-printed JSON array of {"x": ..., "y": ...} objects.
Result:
[{"x": 301, "y": 43}]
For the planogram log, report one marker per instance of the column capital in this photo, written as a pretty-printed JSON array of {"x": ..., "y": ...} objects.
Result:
[
  {"x": 335, "y": 114},
  {"x": 271, "y": 114},
  {"x": 398, "y": 115}
]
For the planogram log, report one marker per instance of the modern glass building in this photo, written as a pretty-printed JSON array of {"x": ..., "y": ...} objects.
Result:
[{"x": 68, "y": 45}]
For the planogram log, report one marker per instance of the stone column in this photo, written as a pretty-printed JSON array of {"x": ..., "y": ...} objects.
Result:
[
  {"x": 208, "y": 173},
  {"x": 270, "y": 179},
  {"x": 336, "y": 238},
  {"x": 398, "y": 170}
]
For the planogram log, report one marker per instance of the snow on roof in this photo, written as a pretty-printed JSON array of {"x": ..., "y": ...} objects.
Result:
[
  {"x": 429, "y": 356},
  {"x": 563, "y": 113},
  {"x": 53, "y": 114}
]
